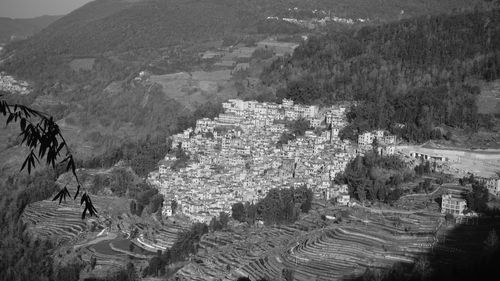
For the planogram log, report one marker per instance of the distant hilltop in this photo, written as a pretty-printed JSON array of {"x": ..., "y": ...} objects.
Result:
[{"x": 19, "y": 29}]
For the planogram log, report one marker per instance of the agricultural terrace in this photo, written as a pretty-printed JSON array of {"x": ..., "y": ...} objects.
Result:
[{"x": 316, "y": 249}]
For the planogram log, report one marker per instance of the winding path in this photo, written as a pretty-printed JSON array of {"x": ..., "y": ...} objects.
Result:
[{"x": 421, "y": 194}]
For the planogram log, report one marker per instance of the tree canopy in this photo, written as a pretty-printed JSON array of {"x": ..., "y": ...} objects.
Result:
[{"x": 408, "y": 77}]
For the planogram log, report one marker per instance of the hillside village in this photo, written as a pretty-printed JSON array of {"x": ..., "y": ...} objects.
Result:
[
  {"x": 254, "y": 191},
  {"x": 10, "y": 84},
  {"x": 312, "y": 19},
  {"x": 238, "y": 157}
]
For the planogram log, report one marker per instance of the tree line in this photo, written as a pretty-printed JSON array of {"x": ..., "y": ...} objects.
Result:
[
  {"x": 374, "y": 177},
  {"x": 280, "y": 206}
]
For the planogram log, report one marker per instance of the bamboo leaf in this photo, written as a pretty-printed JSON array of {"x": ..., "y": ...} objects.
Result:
[
  {"x": 66, "y": 193},
  {"x": 77, "y": 192},
  {"x": 84, "y": 196},
  {"x": 23, "y": 124},
  {"x": 10, "y": 118},
  {"x": 84, "y": 211},
  {"x": 25, "y": 162},
  {"x": 61, "y": 145},
  {"x": 59, "y": 194}
]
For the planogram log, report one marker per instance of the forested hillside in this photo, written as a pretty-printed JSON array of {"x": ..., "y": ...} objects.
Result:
[
  {"x": 23, "y": 256},
  {"x": 119, "y": 26},
  {"x": 82, "y": 67},
  {"x": 410, "y": 76}
]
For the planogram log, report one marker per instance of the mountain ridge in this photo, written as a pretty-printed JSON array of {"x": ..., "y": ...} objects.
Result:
[
  {"x": 24, "y": 27},
  {"x": 116, "y": 25}
]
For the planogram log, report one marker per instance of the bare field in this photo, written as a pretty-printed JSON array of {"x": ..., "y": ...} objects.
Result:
[
  {"x": 198, "y": 87},
  {"x": 481, "y": 162},
  {"x": 82, "y": 64}
]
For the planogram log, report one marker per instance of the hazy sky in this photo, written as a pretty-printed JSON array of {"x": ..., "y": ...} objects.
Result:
[{"x": 35, "y": 8}]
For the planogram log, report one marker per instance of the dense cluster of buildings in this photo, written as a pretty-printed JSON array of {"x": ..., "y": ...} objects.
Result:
[
  {"x": 378, "y": 139},
  {"x": 315, "y": 19},
  {"x": 11, "y": 85},
  {"x": 238, "y": 157}
]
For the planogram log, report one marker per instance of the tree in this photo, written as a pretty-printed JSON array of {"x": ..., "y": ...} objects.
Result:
[
  {"x": 70, "y": 271},
  {"x": 154, "y": 266},
  {"x": 223, "y": 219},
  {"x": 251, "y": 213},
  {"x": 491, "y": 242},
  {"x": 173, "y": 205},
  {"x": 449, "y": 218},
  {"x": 214, "y": 224},
  {"x": 93, "y": 262},
  {"x": 372, "y": 275},
  {"x": 238, "y": 212},
  {"x": 287, "y": 274},
  {"x": 156, "y": 202},
  {"x": 133, "y": 207},
  {"x": 422, "y": 268},
  {"x": 131, "y": 272},
  {"x": 307, "y": 197},
  {"x": 478, "y": 198},
  {"x": 299, "y": 126},
  {"x": 43, "y": 138}
]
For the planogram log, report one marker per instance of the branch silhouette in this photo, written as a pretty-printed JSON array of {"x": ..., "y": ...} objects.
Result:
[{"x": 42, "y": 136}]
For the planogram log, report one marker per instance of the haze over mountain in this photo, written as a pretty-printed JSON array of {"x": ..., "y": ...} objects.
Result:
[
  {"x": 16, "y": 29},
  {"x": 23, "y": 9}
]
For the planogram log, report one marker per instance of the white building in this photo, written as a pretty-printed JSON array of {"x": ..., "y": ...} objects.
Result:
[
  {"x": 386, "y": 143},
  {"x": 167, "y": 210},
  {"x": 453, "y": 204},
  {"x": 343, "y": 199},
  {"x": 365, "y": 139},
  {"x": 493, "y": 186},
  {"x": 204, "y": 125}
]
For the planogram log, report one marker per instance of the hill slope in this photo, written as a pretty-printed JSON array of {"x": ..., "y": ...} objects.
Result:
[
  {"x": 22, "y": 28},
  {"x": 115, "y": 39},
  {"x": 412, "y": 76},
  {"x": 121, "y": 25}
]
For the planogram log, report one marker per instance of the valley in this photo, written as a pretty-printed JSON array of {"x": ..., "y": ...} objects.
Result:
[{"x": 257, "y": 140}]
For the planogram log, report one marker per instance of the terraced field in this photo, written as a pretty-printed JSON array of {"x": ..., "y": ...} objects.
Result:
[
  {"x": 166, "y": 236},
  {"x": 330, "y": 252},
  {"x": 61, "y": 223}
]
